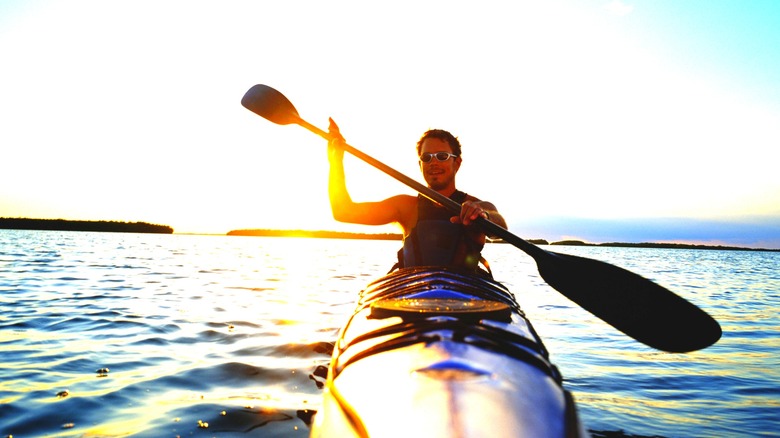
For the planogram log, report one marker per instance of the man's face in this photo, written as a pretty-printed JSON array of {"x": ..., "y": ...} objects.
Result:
[{"x": 439, "y": 175}]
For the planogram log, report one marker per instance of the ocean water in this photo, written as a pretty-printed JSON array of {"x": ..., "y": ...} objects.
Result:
[{"x": 107, "y": 335}]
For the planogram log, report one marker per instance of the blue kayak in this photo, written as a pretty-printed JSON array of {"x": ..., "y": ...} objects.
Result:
[{"x": 434, "y": 352}]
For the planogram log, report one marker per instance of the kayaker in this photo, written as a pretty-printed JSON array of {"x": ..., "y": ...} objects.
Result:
[{"x": 432, "y": 235}]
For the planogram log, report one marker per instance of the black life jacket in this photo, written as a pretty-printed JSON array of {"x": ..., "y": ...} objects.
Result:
[{"x": 435, "y": 241}]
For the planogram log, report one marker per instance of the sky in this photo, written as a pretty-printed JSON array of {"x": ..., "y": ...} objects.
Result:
[{"x": 596, "y": 120}]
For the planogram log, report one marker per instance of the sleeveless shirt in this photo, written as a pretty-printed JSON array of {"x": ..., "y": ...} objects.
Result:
[{"x": 435, "y": 241}]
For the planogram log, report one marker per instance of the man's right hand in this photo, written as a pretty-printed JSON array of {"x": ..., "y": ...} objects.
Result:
[{"x": 336, "y": 144}]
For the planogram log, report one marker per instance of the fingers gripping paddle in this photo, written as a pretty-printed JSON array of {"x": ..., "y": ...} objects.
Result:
[{"x": 632, "y": 304}]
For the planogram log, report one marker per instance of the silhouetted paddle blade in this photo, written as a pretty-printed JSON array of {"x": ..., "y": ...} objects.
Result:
[
  {"x": 632, "y": 304},
  {"x": 638, "y": 307},
  {"x": 270, "y": 104}
]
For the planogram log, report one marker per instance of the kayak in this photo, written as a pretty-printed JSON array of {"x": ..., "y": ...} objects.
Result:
[{"x": 435, "y": 352}]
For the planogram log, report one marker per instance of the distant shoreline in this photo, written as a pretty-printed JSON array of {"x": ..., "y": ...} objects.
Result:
[
  {"x": 398, "y": 236},
  {"x": 660, "y": 245},
  {"x": 73, "y": 225},
  {"x": 144, "y": 227}
]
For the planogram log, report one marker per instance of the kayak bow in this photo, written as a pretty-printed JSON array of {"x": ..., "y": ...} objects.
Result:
[{"x": 435, "y": 352}]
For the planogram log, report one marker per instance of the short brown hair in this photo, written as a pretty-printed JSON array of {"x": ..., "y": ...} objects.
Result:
[{"x": 441, "y": 135}]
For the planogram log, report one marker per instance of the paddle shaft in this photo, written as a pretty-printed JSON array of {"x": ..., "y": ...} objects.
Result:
[
  {"x": 489, "y": 227},
  {"x": 427, "y": 192}
]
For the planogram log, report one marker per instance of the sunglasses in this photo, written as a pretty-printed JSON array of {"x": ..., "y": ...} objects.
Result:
[{"x": 426, "y": 157}]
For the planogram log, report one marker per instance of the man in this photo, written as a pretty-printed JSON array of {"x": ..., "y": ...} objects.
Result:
[{"x": 432, "y": 235}]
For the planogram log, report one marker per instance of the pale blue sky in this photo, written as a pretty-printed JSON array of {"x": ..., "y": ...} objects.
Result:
[{"x": 596, "y": 120}]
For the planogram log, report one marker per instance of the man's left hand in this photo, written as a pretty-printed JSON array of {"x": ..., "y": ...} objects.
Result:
[{"x": 469, "y": 212}]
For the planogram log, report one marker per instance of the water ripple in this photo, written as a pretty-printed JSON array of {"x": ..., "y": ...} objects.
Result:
[{"x": 229, "y": 331}]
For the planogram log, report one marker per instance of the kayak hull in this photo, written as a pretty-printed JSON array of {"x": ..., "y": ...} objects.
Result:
[{"x": 459, "y": 359}]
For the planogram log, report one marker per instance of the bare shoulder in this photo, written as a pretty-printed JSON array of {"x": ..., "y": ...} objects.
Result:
[{"x": 404, "y": 200}]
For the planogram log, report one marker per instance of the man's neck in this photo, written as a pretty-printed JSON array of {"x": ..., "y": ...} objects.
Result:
[{"x": 447, "y": 191}]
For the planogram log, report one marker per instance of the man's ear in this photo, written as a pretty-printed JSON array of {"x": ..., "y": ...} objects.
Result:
[{"x": 458, "y": 160}]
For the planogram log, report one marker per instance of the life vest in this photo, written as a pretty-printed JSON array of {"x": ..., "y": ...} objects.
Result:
[{"x": 435, "y": 241}]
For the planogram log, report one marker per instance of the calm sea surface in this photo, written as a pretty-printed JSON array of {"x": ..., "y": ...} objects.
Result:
[{"x": 156, "y": 335}]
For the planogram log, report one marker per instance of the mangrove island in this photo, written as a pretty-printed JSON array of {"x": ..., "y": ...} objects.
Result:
[{"x": 74, "y": 225}]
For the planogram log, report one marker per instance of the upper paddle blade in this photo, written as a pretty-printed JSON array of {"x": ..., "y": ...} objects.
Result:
[
  {"x": 270, "y": 104},
  {"x": 632, "y": 304}
]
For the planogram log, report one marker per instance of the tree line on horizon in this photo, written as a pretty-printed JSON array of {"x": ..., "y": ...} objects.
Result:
[
  {"x": 78, "y": 225},
  {"x": 144, "y": 227}
]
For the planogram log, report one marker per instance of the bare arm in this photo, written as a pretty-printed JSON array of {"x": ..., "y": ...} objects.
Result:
[{"x": 344, "y": 209}]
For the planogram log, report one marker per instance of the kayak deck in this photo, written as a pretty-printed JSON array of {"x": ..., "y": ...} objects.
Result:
[{"x": 435, "y": 352}]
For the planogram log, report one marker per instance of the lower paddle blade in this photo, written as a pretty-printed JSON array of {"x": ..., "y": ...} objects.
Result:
[
  {"x": 270, "y": 104},
  {"x": 632, "y": 304}
]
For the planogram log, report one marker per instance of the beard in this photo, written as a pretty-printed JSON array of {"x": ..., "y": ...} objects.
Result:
[{"x": 438, "y": 182}]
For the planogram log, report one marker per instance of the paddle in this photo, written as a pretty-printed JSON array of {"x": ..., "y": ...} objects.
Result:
[{"x": 632, "y": 304}]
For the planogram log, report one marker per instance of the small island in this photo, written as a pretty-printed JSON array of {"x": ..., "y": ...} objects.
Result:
[
  {"x": 74, "y": 225},
  {"x": 659, "y": 245}
]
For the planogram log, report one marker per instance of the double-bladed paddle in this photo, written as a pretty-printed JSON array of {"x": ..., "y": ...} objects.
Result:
[{"x": 636, "y": 306}]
